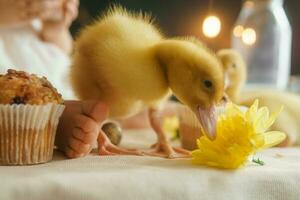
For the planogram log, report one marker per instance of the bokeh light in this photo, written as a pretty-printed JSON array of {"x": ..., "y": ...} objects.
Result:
[
  {"x": 238, "y": 31},
  {"x": 249, "y": 36},
  {"x": 211, "y": 26}
]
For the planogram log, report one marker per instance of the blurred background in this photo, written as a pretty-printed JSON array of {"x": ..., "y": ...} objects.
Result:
[{"x": 182, "y": 17}]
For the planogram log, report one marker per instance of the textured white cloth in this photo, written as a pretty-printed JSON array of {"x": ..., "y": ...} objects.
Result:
[
  {"x": 21, "y": 49},
  {"x": 130, "y": 177}
]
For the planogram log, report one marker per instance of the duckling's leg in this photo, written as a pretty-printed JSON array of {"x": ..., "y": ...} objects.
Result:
[
  {"x": 105, "y": 147},
  {"x": 163, "y": 147},
  {"x": 112, "y": 137}
]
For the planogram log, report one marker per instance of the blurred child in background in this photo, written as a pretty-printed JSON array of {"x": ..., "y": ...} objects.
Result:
[{"x": 35, "y": 37}]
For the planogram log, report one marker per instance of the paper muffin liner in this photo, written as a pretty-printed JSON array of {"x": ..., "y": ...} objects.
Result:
[
  {"x": 189, "y": 127},
  {"x": 27, "y": 133}
]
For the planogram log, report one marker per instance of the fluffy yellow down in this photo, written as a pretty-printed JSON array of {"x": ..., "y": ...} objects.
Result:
[{"x": 239, "y": 135}]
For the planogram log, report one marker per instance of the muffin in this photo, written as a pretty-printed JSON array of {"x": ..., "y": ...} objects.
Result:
[
  {"x": 30, "y": 108},
  {"x": 189, "y": 128}
]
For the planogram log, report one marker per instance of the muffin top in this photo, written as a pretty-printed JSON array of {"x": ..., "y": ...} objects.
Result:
[{"x": 18, "y": 87}]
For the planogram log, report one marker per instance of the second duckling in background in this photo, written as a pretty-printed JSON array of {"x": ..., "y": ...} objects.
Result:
[{"x": 289, "y": 119}]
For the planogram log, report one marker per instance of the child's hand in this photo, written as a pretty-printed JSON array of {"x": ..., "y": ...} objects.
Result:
[
  {"x": 71, "y": 11},
  {"x": 69, "y": 14},
  {"x": 56, "y": 31},
  {"x": 23, "y": 11}
]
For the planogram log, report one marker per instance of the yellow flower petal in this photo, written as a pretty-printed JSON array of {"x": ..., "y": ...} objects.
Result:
[
  {"x": 239, "y": 135},
  {"x": 260, "y": 119},
  {"x": 273, "y": 138},
  {"x": 233, "y": 110},
  {"x": 250, "y": 114},
  {"x": 273, "y": 117}
]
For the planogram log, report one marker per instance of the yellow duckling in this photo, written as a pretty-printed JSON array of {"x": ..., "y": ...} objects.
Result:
[
  {"x": 123, "y": 60},
  {"x": 289, "y": 119},
  {"x": 235, "y": 72}
]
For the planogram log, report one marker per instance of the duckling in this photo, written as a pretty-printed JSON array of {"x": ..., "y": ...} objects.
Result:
[
  {"x": 235, "y": 70},
  {"x": 288, "y": 120},
  {"x": 124, "y": 60}
]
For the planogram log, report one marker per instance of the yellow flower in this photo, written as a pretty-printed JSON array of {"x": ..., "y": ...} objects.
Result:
[
  {"x": 239, "y": 135},
  {"x": 171, "y": 126}
]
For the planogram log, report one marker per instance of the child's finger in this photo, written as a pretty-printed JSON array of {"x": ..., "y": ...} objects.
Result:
[
  {"x": 95, "y": 110},
  {"x": 85, "y": 123},
  {"x": 72, "y": 153},
  {"x": 71, "y": 11},
  {"x": 87, "y": 138},
  {"x": 72, "y": 2},
  {"x": 72, "y": 8},
  {"x": 78, "y": 146}
]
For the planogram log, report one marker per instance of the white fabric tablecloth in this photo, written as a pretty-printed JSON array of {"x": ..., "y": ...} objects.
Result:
[{"x": 130, "y": 177}]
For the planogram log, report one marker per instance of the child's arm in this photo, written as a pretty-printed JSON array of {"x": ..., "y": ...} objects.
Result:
[
  {"x": 58, "y": 35},
  {"x": 57, "y": 31}
]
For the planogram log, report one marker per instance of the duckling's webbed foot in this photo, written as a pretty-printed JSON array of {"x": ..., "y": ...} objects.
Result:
[
  {"x": 165, "y": 150},
  {"x": 163, "y": 147},
  {"x": 106, "y": 147}
]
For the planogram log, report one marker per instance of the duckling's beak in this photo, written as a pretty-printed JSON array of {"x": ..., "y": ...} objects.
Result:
[{"x": 208, "y": 120}]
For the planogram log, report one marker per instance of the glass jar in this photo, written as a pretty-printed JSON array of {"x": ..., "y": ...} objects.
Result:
[{"x": 263, "y": 35}]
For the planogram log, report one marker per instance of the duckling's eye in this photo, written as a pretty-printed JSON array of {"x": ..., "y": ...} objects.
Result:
[
  {"x": 233, "y": 65},
  {"x": 207, "y": 83}
]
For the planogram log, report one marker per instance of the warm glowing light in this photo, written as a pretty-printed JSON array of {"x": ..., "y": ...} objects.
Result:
[
  {"x": 211, "y": 26},
  {"x": 249, "y": 4},
  {"x": 238, "y": 31},
  {"x": 249, "y": 36}
]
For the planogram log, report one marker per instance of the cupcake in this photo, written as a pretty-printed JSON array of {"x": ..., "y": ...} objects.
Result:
[
  {"x": 189, "y": 128},
  {"x": 30, "y": 108}
]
